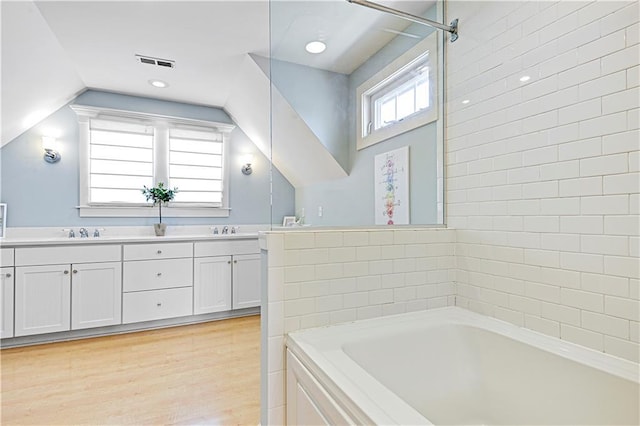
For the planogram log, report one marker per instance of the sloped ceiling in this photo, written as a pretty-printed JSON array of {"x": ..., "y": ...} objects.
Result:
[
  {"x": 264, "y": 114},
  {"x": 53, "y": 50},
  {"x": 38, "y": 77}
]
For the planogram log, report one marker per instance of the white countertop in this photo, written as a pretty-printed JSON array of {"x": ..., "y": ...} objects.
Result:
[{"x": 22, "y": 237}]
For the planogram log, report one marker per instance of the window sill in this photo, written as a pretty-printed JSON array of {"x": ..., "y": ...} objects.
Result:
[{"x": 103, "y": 211}]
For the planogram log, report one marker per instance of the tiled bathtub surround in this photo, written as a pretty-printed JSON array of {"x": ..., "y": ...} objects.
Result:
[
  {"x": 542, "y": 176},
  {"x": 542, "y": 188},
  {"x": 318, "y": 278}
]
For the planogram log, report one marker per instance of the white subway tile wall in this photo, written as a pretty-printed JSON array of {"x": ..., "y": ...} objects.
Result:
[
  {"x": 318, "y": 278},
  {"x": 552, "y": 162},
  {"x": 542, "y": 198}
]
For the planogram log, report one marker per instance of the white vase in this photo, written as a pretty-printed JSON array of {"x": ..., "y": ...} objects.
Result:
[{"x": 160, "y": 229}]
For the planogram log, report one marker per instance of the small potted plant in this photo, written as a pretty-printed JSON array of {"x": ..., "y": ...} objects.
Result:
[{"x": 159, "y": 194}]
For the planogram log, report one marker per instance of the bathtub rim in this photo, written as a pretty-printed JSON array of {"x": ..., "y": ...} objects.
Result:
[{"x": 358, "y": 393}]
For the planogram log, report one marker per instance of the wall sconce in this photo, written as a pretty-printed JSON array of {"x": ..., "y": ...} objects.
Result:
[
  {"x": 50, "y": 146},
  {"x": 246, "y": 167}
]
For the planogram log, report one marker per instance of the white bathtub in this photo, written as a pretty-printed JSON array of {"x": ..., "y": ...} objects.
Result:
[{"x": 452, "y": 366}]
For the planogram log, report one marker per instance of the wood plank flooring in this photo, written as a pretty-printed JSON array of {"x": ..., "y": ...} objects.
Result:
[{"x": 205, "y": 374}]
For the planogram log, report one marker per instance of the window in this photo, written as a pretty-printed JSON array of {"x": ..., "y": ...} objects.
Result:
[
  {"x": 195, "y": 166},
  {"x": 400, "y": 97},
  {"x": 120, "y": 161},
  {"x": 121, "y": 151},
  {"x": 394, "y": 102}
]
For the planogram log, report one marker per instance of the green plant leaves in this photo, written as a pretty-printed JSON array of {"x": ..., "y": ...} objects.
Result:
[{"x": 159, "y": 194}]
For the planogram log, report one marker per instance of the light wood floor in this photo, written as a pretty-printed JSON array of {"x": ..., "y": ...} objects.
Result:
[{"x": 202, "y": 374}]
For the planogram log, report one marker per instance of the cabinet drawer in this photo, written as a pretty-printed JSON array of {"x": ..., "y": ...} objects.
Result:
[
  {"x": 6, "y": 257},
  {"x": 29, "y": 256},
  {"x": 157, "y": 251},
  {"x": 156, "y": 304},
  {"x": 226, "y": 247},
  {"x": 157, "y": 274}
]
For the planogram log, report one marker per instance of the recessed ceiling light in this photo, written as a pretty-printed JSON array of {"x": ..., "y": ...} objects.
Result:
[
  {"x": 315, "y": 47},
  {"x": 525, "y": 78},
  {"x": 466, "y": 101},
  {"x": 158, "y": 83}
]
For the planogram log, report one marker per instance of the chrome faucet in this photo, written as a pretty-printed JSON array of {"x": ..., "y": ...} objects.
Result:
[
  {"x": 234, "y": 229},
  {"x": 84, "y": 233},
  {"x": 71, "y": 233},
  {"x": 225, "y": 230},
  {"x": 96, "y": 232},
  {"x": 215, "y": 230}
]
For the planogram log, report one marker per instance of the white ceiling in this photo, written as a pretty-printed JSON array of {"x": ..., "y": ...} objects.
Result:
[{"x": 53, "y": 50}]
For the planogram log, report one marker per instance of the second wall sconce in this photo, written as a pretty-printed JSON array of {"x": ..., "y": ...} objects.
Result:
[
  {"x": 246, "y": 167},
  {"x": 50, "y": 145}
]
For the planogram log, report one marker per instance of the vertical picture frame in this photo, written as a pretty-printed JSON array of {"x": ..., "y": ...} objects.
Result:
[
  {"x": 3, "y": 220},
  {"x": 391, "y": 184}
]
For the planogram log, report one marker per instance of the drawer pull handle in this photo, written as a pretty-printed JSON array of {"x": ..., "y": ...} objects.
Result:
[
  {"x": 159, "y": 251},
  {"x": 235, "y": 261},
  {"x": 75, "y": 271},
  {"x": 159, "y": 274},
  {"x": 66, "y": 272},
  {"x": 229, "y": 262},
  {"x": 159, "y": 304},
  {"x": 8, "y": 275}
]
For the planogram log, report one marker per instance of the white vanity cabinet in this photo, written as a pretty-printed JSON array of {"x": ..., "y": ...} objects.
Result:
[
  {"x": 211, "y": 284},
  {"x": 96, "y": 295},
  {"x": 157, "y": 281},
  {"x": 72, "y": 287},
  {"x": 246, "y": 281},
  {"x": 7, "y": 279},
  {"x": 227, "y": 275},
  {"x": 63, "y": 288}
]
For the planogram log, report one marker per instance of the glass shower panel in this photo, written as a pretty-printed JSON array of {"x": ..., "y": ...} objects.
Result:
[{"x": 321, "y": 101}]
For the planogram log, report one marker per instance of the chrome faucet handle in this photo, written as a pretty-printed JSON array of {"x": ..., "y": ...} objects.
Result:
[
  {"x": 215, "y": 230},
  {"x": 84, "y": 233},
  {"x": 234, "y": 229},
  {"x": 96, "y": 232},
  {"x": 70, "y": 234}
]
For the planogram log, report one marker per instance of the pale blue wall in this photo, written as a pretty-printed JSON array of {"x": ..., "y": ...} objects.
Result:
[
  {"x": 41, "y": 194},
  {"x": 322, "y": 98},
  {"x": 350, "y": 201}
]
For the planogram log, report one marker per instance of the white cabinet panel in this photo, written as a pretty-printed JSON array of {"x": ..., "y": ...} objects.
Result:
[
  {"x": 157, "y": 251},
  {"x": 96, "y": 295},
  {"x": 156, "y": 274},
  {"x": 31, "y": 256},
  {"x": 6, "y": 257},
  {"x": 226, "y": 247},
  {"x": 42, "y": 299},
  {"x": 307, "y": 401},
  {"x": 246, "y": 281},
  {"x": 212, "y": 284},
  {"x": 157, "y": 304},
  {"x": 307, "y": 413},
  {"x": 6, "y": 302}
]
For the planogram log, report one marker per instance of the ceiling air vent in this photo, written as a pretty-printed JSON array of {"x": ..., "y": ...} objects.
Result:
[{"x": 165, "y": 63}]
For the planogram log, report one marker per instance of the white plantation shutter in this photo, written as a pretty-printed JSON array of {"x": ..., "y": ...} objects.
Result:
[
  {"x": 120, "y": 161},
  {"x": 196, "y": 165},
  {"x": 123, "y": 151}
]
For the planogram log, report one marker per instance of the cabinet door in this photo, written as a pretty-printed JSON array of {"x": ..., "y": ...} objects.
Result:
[
  {"x": 212, "y": 284},
  {"x": 96, "y": 295},
  {"x": 246, "y": 281},
  {"x": 43, "y": 299},
  {"x": 6, "y": 302}
]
